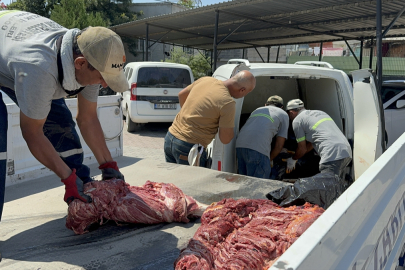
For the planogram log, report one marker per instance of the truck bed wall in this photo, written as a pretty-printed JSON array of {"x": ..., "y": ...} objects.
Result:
[
  {"x": 364, "y": 228},
  {"x": 23, "y": 166}
]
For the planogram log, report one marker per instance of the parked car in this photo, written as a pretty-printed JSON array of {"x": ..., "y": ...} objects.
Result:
[
  {"x": 153, "y": 93},
  {"x": 393, "y": 99}
]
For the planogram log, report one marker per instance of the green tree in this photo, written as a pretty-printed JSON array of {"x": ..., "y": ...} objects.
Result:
[
  {"x": 40, "y": 7},
  {"x": 115, "y": 11},
  {"x": 73, "y": 14},
  {"x": 198, "y": 63},
  {"x": 187, "y": 3}
]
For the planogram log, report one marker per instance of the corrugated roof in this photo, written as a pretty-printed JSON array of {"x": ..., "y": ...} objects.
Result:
[{"x": 269, "y": 23}]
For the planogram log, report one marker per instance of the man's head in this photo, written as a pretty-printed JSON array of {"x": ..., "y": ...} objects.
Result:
[
  {"x": 103, "y": 50},
  {"x": 275, "y": 101},
  {"x": 241, "y": 84},
  {"x": 294, "y": 106}
]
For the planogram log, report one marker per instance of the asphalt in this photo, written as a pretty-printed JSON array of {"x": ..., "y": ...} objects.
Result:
[{"x": 33, "y": 233}]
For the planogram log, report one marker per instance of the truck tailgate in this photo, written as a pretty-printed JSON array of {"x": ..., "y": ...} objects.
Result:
[{"x": 33, "y": 233}]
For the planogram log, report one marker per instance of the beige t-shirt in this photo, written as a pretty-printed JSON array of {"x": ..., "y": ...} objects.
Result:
[{"x": 208, "y": 107}]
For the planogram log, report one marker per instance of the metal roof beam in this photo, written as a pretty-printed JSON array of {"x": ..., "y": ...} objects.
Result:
[
  {"x": 259, "y": 54},
  {"x": 232, "y": 32},
  {"x": 278, "y": 24},
  {"x": 393, "y": 21},
  {"x": 197, "y": 35},
  {"x": 160, "y": 38},
  {"x": 350, "y": 48}
]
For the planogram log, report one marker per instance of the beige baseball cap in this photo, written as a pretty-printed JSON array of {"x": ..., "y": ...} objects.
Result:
[
  {"x": 294, "y": 104},
  {"x": 275, "y": 99},
  {"x": 104, "y": 50}
]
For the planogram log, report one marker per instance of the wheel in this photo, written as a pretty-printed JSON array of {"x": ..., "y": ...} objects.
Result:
[{"x": 131, "y": 126}]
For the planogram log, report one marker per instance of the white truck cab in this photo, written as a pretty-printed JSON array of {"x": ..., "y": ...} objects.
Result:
[{"x": 355, "y": 111}]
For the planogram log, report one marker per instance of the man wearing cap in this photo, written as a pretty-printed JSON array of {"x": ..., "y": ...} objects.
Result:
[
  {"x": 42, "y": 62},
  {"x": 316, "y": 129},
  {"x": 207, "y": 108},
  {"x": 253, "y": 145}
]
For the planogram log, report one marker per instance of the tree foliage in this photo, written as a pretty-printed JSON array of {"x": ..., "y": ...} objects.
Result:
[
  {"x": 187, "y": 3},
  {"x": 198, "y": 63},
  {"x": 73, "y": 14},
  {"x": 40, "y": 7}
]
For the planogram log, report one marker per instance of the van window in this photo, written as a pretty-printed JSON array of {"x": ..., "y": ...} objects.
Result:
[
  {"x": 163, "y": 77},
  {"x": 388, "y": 92}
]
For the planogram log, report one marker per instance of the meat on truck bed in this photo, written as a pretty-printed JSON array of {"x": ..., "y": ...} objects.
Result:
[
  {"x": 245, "y": 234},
  {"x": 116, "y": 200}
]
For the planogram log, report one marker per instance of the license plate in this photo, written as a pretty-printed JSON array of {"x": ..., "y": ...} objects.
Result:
[{"x": 166, "y": 106}]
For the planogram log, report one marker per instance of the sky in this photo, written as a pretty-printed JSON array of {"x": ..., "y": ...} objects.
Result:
[{"x": 204, "y": 2}]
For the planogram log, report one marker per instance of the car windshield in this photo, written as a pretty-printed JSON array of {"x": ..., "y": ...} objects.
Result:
[{"x": 163, "y": 77}]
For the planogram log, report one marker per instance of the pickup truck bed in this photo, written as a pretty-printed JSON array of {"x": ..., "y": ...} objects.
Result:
[{"x": 33, "y": 233}]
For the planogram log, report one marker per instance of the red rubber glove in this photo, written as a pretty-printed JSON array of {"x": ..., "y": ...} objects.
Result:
[
  {"x": 74, "y": 189},
  {"x": 110, "y": 170}
]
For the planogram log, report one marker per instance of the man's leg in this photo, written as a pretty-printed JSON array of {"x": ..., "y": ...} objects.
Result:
[
  {"x": 3, "y": 151},
  {"x": 258, "y": 165},
  {"x": 60, "y": 129},
  {"x": 241, "y": 161},
  {"x": 168, "y": 148}
]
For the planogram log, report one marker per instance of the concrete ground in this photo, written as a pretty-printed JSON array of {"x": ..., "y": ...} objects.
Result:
[{"x": 33, "y": 233}]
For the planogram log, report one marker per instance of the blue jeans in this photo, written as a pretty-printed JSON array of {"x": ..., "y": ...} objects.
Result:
[
  {"x": 176, "y": 151},
  {"x": 253, "y": 163},
  {"x": 60, "y": 130}
]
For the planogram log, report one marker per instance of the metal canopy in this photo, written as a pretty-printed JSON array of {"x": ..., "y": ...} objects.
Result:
[{"x": 258, "y": 23}]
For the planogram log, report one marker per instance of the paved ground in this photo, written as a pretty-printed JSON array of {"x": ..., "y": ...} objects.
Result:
[{"x": 147, "y": 142}]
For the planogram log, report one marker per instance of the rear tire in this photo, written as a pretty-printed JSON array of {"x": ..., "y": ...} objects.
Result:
[{"x": 131, "y": 126}]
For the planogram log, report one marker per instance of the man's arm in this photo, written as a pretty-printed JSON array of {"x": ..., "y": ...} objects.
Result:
[
  {"x": 40, "y": 147},
  {"x": 91, "y": 130},
  {"x": 183, "y": 94},
  {"x": 225, "y": 135},
  {"x": 301, "y": 150},
  {"x": 277, "y": 147}
]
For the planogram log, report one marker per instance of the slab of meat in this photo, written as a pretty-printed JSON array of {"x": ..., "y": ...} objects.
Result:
[
  {"x": 116, "y": 200},
  {"x": 245, "y": 234}
]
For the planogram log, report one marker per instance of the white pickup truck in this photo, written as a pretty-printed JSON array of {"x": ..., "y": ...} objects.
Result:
[{"x": 363, "y": 229}]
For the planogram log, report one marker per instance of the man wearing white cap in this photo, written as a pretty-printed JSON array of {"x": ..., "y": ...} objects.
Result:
[
  {"x": 42, "y": 62},
  {"x": 253, "y": 145},
  {"x": 316, "y": 129}
]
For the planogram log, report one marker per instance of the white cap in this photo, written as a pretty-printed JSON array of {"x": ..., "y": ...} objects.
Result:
[
  {"x": 294, "y": 104},
  {"x": 104, "y": 50}
]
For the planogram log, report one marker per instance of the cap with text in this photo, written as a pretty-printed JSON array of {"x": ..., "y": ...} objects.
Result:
[
  {"x": 294, "y": 104},
  {"x": 104, "y": 50}
]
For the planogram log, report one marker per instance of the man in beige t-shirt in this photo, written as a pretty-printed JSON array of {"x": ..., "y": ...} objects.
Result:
[{"x": 206, "y": 106}]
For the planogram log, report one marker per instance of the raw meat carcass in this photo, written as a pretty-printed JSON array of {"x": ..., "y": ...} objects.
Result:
[
  {"x": 245, "y": 234},
  {"x": 116, "y": 200}
]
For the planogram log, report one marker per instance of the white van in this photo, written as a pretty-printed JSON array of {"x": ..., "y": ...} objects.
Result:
[
  {"x": 153, "y": 93},
  {"x": 356, "y": 112}
]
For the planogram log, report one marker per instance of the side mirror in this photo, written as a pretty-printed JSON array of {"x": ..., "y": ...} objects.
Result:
[{"x": 400, "y": 104}]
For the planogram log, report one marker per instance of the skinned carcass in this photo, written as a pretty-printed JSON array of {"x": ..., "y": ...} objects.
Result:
[
  {"x": 245, "y": 234},
  {"x": 116, "y": 200}
]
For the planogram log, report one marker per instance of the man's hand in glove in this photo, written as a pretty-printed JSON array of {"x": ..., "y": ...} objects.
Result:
[
  {"x": 74, "y": 189},
  {"x": 290, "y": 165},
  {"x": 110, "y": 170}
]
